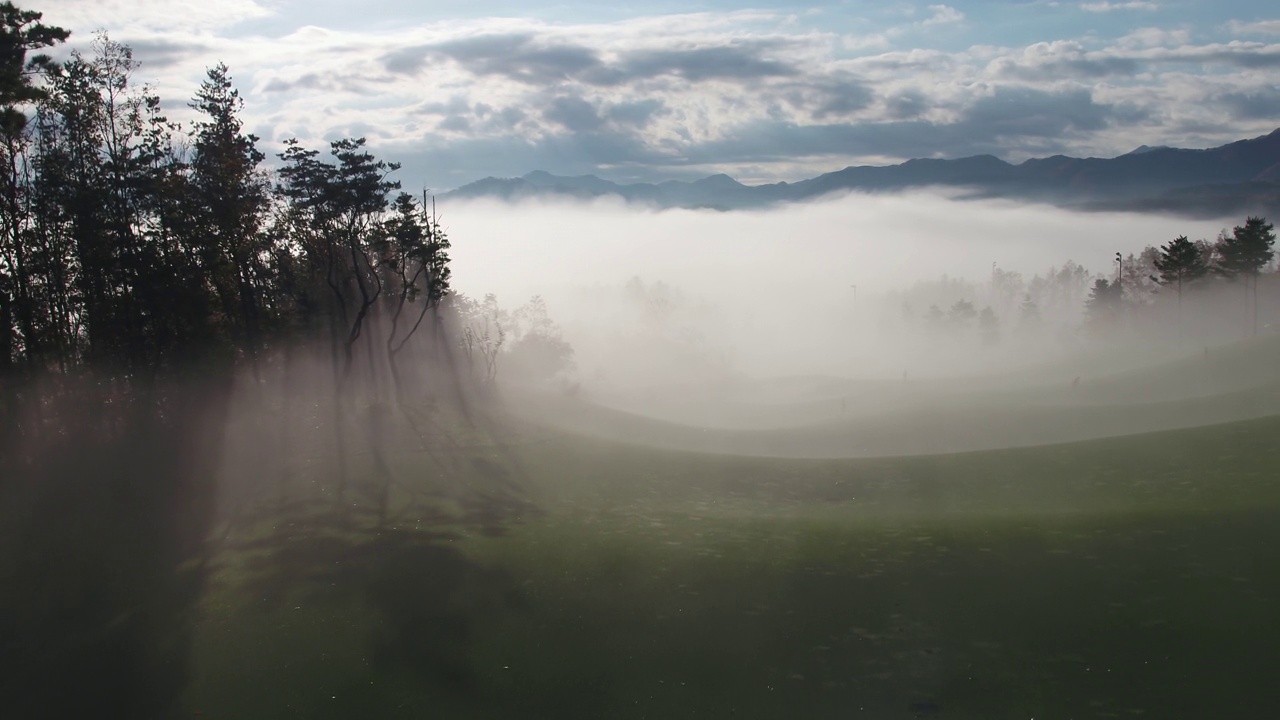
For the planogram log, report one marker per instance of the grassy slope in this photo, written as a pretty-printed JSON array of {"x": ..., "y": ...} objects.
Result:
[
  {"x": 1234, "y": 382},
  {"x": 1105, "y": 578}
]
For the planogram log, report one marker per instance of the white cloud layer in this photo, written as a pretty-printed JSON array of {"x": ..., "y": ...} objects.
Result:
[
  {"x": 755, "y": 93},
  {"x": 1106, "y": 6},
  {"x": 168, "y": 16}
]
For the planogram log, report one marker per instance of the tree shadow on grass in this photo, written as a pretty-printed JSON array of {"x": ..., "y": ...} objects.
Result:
[
  {"x": 102, "y": 526},
  {"x": 419, "y": 598}
]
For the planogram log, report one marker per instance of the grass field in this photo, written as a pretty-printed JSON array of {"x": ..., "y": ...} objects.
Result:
[{"x": 1132, "y": 576}]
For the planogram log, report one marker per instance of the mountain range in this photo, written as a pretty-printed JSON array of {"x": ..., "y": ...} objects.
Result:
[{"x": 1237, "y": 178}]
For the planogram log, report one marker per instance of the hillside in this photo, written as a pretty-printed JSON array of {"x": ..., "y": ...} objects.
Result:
[{"x": 1242, "y": 176}]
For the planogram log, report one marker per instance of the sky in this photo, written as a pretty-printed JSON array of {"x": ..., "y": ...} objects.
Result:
[{"x": 648, "y": 91}]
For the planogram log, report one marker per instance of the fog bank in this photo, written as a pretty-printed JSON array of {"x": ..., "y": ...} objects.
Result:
[{"x": 814, "y": 288}]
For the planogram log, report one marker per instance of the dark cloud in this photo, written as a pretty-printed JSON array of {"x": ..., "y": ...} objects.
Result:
[
  {"x": 598, "y": 139},
  {"x": 574, "y": 114},
  {"x": 442, "y": 165},
  {"x": 906, "y": 105},
  {"x": 1010, "y": 121},
  {"x": 310, "y": 81},
  {"x": 1085, "y": 68},
  {"x": 456, "y": 123},
  {"x": 503, "y": 120},
  {"x": 156, "y": 53},
  {"x": 522, "y": 57},
  {"x": 1251, "y": 59},
  {"x": 1261, "y": 104},
  {"x": 1248, "y": 56},
  {"x": 1020, "y": 112},
  {"x": 453, "y": 106},
  {"x": 842, "y": 98},
  {"x": 327, "y": 83},
  {"x": 744, "y": 61},
  {"x": 516, "y": 56},
  {"x": 636, "y": 114}
]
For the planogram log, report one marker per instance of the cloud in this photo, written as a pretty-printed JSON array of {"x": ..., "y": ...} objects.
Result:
[
  {"x": 740, "y": 61},
  {"x": 1025, "y": 112},
  {"x": 942, "y": 15},
  {"x": 84, "y": 16},
  {"x": 574, "y": 114},
  {"x": 1261, "y": 27},
  {"x": 1256, "y": 104},
  {"x": 521, "y": 57},
  {"x": 1061, "y": 59},
  {"x": 906, "y": 105},
  {"x": 1107, "y": 6},
  {"x": 637, "y": 113},
  {"x": 750, "y": 93},
  {"x": 161, "y": 53}
]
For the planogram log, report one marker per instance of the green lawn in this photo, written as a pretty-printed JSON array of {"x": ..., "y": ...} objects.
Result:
[{"x": 1126, "y": 577}]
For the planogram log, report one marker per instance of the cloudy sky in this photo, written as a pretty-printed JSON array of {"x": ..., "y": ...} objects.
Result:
[{"x": 458, "y": 90}]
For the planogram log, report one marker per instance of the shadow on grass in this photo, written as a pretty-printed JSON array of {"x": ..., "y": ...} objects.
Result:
[{"x": 103, "y": 513}]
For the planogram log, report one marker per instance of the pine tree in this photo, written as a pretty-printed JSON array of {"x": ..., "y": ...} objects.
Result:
[
  {"x": 229, "y": 198},
  {"x": 20, "y": 32},
  {"x": 1180, "y": 263},
  {"x": 1245, "y": 252},
  {"x": 1104, "y": 303}
]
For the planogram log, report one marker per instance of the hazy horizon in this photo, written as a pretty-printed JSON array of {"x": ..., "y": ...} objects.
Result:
[{"x": 774, "y": 288}]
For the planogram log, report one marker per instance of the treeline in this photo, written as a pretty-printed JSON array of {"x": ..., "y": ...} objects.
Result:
[
  {"x": 1142, "y": 296},
  {"x": 136, "y": 247},
  {"x": 1176, "y": 267}
]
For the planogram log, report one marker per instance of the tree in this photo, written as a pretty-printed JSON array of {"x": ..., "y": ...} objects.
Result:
[
  {"x": 229, "y": 198},
  {"x": 1245, "y": 252},
  {"x": 415, "y": 262},
  {"x": 934, "y": 318},
  {"x": 1104, "y": 302},
  {"x": 1180, "y": 262},
  {"x": 1137, "y": 275},
  {"x": 1028, "y": 315},
  {"x": 20, "y": 32},
  {"x": 961, "y": 314},
  {"x": 990, "y": 326},
  {"x": 335, "y": 213}
]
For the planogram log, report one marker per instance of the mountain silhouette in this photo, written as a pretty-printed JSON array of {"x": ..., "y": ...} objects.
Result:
[{"x": 1242, "y": 176}]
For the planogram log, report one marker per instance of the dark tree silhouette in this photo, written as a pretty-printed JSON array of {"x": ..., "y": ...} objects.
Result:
[
  {"x": 1245, "y": 252},
  {"x": 20, "y": 32},
  {"x": 228, "y": 200},
  {"x": 989, "y": 324},
  {"x": 1180, "y": 262},
  {"x": 1103, "y": 306}
]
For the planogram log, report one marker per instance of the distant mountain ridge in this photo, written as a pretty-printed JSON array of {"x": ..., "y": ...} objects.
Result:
[{"x": 1242, "y": 176}]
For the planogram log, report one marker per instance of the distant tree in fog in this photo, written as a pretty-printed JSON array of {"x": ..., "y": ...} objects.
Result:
[
  {"x": 1180, "y": 262},
  {"x": 1137, "y": 276},
  {"x": 961, "y": 314},
  {"x": 1245, "y": 252},
  {"x": 537, "y": 352},
  {"x": 1060, "y": 290},
  {"x": 1106, "y": 300},
  {"x": 934, "y": 318},
  {"x": 990, "y": 326},
  {"x": 1006, "y": 287}
]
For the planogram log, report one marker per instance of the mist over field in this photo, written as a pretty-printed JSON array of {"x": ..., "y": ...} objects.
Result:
[
  {"x": 281, "y": 437},
  {"x": 823, "y": 287}
]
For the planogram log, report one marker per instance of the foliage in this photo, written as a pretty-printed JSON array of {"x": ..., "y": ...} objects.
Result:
[
  {"x": 1105, "y": 302},
  {"x": 1179, "y": 262},
  {"x": 136, "y": 248},
  {"x": 989, "y": 324},
  {"x": 961, "y": 314},
  {"x": 1247, "y": 250}
]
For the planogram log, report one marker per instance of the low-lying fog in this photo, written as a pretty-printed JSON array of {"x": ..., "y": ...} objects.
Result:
[{"x": 845, "y": 309}]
